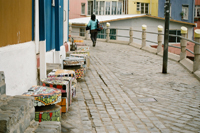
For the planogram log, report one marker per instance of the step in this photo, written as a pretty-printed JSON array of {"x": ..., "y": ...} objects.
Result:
[{"x": 16, "y": 113}]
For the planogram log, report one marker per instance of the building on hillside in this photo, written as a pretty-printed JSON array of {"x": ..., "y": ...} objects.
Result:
[
  {"x": 136, "y": 22},
  {"x": 107, "y": 7},
  {"x": 121, "y": 7},
  {"x": 181, "y": 10},
  {"x": 84, "y": 8},
  {"x": 197, "y": 14},
  {"x": 143, "y": 7},
  {"x": 28, "y": 28}
]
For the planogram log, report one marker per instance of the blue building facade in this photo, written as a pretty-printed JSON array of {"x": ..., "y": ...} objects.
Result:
[
  {"x": 51, "y": 23},
  {"x": 178, "y": 6}
]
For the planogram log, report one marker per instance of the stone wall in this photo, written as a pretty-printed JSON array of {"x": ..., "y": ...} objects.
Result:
[{"x": 17, "y": 114}]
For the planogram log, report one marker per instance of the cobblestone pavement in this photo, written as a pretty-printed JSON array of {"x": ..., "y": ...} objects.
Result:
[{"x": 117, "y": 94}]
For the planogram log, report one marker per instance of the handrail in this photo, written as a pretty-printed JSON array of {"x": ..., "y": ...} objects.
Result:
[
  {"x": 137, "y": 30},
  {"x": 180, "y": 48},
  {"x": 153, "y": 33},
  {"x": 79, "y": 26},
  {"x": 122, "y": 36},
  {"x": 137, "y": 38},
  {"x": 152, "y": 41},
  {"x": 184, "y": 38},
  {"x": 117, "y": 28},
  {"x": 146, "y": 40},
  {"x": 190, "y": 51}
]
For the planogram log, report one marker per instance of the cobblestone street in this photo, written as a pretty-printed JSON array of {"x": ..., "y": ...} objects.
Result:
[{"x": 125, "y": 91}]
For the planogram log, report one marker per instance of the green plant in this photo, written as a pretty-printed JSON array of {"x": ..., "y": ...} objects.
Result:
[{"x": 182, "y": 13}]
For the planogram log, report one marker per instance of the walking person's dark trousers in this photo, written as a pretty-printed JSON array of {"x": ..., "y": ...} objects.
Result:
[{"x": 93, "y": 36}]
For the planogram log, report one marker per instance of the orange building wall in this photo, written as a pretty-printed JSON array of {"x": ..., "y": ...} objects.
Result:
[
  {"x": 75, "y": 8},
  {"x": 15, "y": 21},
  {"x": 197, "y": 2}
]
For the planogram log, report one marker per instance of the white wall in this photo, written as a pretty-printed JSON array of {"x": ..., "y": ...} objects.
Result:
[
  {"x": 51, "y": 55},
  {"x": 75, "y": 31},
  {"x": 151, "y": 27},
  {"x": 19, "y": 65}
]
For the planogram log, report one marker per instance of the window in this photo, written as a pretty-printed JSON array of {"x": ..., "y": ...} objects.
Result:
[
  {"x": 197, "y": 11},
  {"x": 107, "y": 8},
  {"x": 101, "y": 9},
  {"x": 146, "y": 8},
  {"x": 138, "y": 6},
  {"x": 119, "y": 8},
  {"x": 185, "y": 11},
  {"x": 113, "y": 34},
  {"x": 174, "y": 39},
  {"x": 82, "y": 32},
  {"x": 96, "y": 7},
  {"x": 102, "y": 34},
  {"x": 83, "y": 8},
  {"x": 90, "y": 7},
  {"x": 114, "y": 8},
  {"x": 143, "y": 8}
]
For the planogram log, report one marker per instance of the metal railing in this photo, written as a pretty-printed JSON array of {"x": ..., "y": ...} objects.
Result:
[{"x": 144, "y": 40}]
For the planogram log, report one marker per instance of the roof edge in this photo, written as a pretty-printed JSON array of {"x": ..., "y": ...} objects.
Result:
[{"x": 171, "y": 20}]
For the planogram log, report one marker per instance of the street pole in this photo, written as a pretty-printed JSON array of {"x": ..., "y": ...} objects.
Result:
[
  {"x": 94, "y": 11},
  {"x": 166, "y": 36}
]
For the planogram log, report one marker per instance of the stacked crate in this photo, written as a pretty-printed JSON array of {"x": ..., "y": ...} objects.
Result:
[
  {"x": 62, "y": 75},
  {"x": 86, "y": 60},
  {"x": 45, "y": 102},
  {"x": 65, "y": 85},
  {"x": 76, "y": 64}
]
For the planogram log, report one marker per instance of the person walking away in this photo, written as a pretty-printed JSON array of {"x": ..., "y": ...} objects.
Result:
[{"x": 92, "y": 25}]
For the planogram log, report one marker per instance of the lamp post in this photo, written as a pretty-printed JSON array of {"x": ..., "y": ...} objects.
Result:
[{"x": 166, "y": 36}]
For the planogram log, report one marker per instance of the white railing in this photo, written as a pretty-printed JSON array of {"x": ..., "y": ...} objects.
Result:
[{"x": 193, "y": 66}]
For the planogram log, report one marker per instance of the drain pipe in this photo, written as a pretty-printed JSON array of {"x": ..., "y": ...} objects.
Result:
[{"x": 37, "y": 50}]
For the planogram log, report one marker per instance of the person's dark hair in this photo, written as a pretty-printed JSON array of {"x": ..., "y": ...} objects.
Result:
[{"x": 93, "y": 17}]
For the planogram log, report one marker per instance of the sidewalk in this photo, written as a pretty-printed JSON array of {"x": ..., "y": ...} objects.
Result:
[{"x": 117, "y": 94}]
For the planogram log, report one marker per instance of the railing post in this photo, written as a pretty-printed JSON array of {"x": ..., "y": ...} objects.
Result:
[
  {"x": 196, "y": 65},
  {"x": 183, "y": 43},
  {"x": 86, "y": 33},
  {"x": 160, "y": 38},
  {"x": 107, "y": 32},
  {"x": 131, "y": 35},
  {"x": 144, "y": 27},
  {"x": 70, "y": 29}
]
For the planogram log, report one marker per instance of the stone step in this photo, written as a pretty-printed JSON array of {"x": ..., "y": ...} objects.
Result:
[
  {"x": 32, "y": 127},
  {"x": 16, "y": 113},
  {"x": 44, "y": 127},
  {"x": 49, "y": 127}
]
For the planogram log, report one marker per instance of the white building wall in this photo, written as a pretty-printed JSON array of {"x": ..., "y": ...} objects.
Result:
[
  {"x": 75, "y": 31},
  {"x": 51, "y": 56},
  {"x": 19, "y": 65},
  {"x": 152, "y": 25}
]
